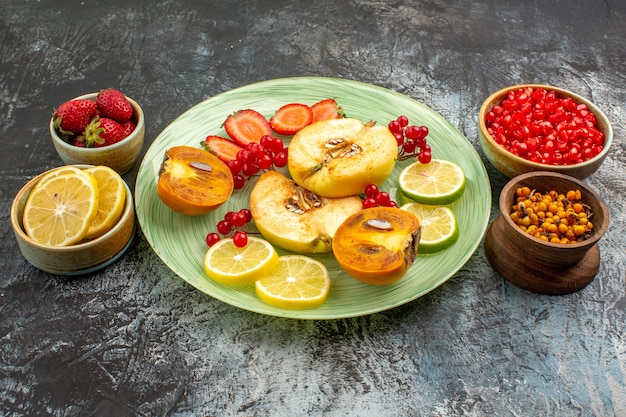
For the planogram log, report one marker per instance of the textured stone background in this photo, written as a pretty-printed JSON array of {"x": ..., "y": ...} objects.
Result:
[{"x": 135, "y": 340}]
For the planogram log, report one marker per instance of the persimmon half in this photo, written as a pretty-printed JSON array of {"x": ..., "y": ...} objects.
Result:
[
  {"x": 377, "y": 245},
  {"x": 193, "y": 181}
]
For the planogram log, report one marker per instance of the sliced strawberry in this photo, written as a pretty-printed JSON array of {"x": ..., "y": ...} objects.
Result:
[
  {"x": 291, "y": 118},
  {"x": 327, "y": 109},
  {"x": 246, "y": 126},
  {"x": 224, "y": 149}
]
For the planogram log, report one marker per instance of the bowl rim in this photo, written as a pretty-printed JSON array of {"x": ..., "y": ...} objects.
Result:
[
  {"x": 139, "y": 128},
  {"x": 18, "y": 227},
  {"x": 507, "y": 219},
  {"x": 490, "y": 101}
]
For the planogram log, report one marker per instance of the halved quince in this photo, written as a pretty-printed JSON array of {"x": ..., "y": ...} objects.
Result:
[
  {"x": 193, "y": 181},
  {"x": 377, "y": 245},
  {"x": 338, "y": 158},
  {"x": 297, "y": 219}
]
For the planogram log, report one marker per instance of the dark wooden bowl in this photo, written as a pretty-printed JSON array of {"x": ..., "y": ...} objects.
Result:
[{"x": 536, "y": 265}]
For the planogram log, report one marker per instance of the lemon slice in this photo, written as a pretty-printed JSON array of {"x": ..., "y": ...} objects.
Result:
[
  {"x": 438, "y": 182},
  {"x": 228, "y": 264},
  {"x": 439, "y": 229},
  {"x": 111, "y": 201},
  {"x": 297, "y": 282},
  {"x": 64, "y": 170},
  {"x": 60, "y": 209}
]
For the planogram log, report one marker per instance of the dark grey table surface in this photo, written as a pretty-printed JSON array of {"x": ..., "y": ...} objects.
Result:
[{"x": 135, "y": 340}]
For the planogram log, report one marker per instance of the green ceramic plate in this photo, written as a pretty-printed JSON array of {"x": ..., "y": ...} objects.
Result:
[{"x": 179, "y": 240}]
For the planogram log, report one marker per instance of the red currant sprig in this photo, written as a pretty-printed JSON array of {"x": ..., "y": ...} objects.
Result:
[
  {"x": 376, "y": 198},
  {"x": 411, "y": 140},
  {"x": 268, "y": 153},
  {"x": 232, "y": 224}
]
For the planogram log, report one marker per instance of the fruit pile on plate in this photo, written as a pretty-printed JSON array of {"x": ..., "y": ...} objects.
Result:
[{"x": 315, "y": 204}]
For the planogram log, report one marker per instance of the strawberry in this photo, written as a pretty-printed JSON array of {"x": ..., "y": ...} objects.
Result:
[
  {"x": 128, "y": 126},
  {"x": 114, "y": 105},
  {"x": 103, "y": 131},
  {"x": 326, "y": 110},
  {"x": 79, "y": 141},
  {"x": 291, "y": 118},
  {"x": 246, "y": 126},
  {"x": 73, "y": 116},
  {"x": 224, "y": 149}
]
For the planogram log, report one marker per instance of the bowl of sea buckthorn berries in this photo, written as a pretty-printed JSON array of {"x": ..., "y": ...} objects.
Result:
[
  {"x": 102, "y": 128},
  {"x": 546, "y": 237},
  {"x": 535, "y": 127}
]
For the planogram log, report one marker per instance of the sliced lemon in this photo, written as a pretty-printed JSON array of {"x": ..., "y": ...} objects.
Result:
[
  {"x": 60, "y": 210},
  {"x": 59, "y": 171},
  {"x": 111, "y": 202},
  {"x": 438, "y": 182},
  {"x": 297, "y": 282},
  {"x": 439, "y": 228},
  {"x": 228, "y": 264}
]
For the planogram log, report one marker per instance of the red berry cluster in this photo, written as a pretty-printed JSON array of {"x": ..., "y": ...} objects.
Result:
[
  {"x": 255, "y": 157},
  {"x": 376, "y": 198},
  {"x": 538, "y": 125},
  {"x": 411, "y": 140},
  {"x": 232, "y": 224}
]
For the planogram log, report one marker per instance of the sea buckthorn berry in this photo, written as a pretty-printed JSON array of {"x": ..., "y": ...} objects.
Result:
[{"x": 552, "y": 216}]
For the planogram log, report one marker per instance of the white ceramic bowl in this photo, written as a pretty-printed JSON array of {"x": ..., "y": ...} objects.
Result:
[
  {"x": 512, "y": 165},
  {"x": 120, "y": 156},
  {"x": 81, "y": 258}
]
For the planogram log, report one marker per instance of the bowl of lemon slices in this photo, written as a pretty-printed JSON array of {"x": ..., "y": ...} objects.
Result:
[{"x": 74, "y": 219}]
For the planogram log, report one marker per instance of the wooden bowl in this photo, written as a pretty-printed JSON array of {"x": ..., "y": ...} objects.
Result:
[
  {"x": 81, "y": 258},
  {"x": 512, "y": 165},
  {"x": 120, "y": 156},
  {"x": 536, "y": 265}
]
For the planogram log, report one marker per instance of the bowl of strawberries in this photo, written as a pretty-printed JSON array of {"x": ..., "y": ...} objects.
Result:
[{"x": 103, "y": 128}]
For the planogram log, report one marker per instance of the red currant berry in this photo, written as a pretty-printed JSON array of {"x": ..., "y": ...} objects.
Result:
[
  {"x": 249, "y": 169},
  {"x": 240, "y": 239},
  {"x": 224, "y": 227},
  {"x": 239, "y": 219},
  {"x": 212, "y": 239},
  {"x": 277, "y": 145},
  {"x": 383, "y": 199},
  {"x": 264, "y": 162},
  {"x": 229, "y": 216},
  {"x": 395, "y": 127},
  {"x": 234, "y": 165},
  {"x": 244, "y": 155},
  {"x": 371, "y": 191},
  {"x": 246, "y": 212},
  {"x": 369, "y": 203},
  {"x": 424, "y": 157},
  {"x": 238, "y": 181},
  {"x": 403, "y": 120},
  {"x": 409, "y": 146},
  {"x": 266, "y": 141},
  {"x": 280, "y": 159},
  {"x": 412, "y": 132}
]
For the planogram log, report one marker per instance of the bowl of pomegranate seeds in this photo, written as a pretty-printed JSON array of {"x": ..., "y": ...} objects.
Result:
[
  {"x": 534, "y": 127},
  {"x": 103, "y": 128}
]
